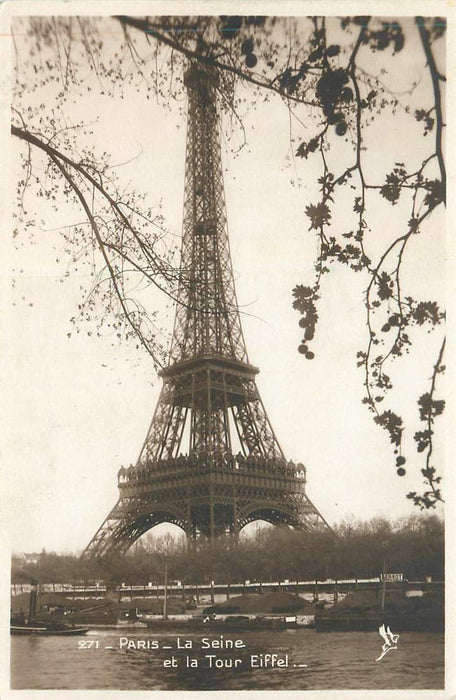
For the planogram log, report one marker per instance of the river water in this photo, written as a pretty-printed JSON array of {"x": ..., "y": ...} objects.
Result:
[{"x": 310, "y": 660}]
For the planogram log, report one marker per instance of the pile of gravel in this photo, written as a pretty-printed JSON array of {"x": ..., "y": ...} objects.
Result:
[
  {"x": 267, "y": 603},
  {"x": 365, "y": 602},
  {"x": 154, "y": 606}
]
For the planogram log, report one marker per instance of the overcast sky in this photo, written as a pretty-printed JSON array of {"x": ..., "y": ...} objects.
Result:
[{"x": 80, "y": 407}]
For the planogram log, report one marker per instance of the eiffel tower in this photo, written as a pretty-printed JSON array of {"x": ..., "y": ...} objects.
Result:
[{"x": 211, "y": 462}]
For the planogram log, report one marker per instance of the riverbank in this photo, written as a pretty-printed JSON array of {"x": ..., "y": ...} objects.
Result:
[{"x": 360, "y": 610}]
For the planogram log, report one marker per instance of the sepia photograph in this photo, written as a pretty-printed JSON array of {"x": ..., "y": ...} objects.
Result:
[{"x": 224, "y": 353}]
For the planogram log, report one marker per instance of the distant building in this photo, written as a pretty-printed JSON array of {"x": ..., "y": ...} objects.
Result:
[{"x": 22, "y": 558}]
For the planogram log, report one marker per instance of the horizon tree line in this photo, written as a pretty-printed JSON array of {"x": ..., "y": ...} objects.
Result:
[{"x": 413, "y": 546}]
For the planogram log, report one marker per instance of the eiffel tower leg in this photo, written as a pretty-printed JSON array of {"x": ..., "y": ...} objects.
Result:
[
  {"x": 103, "y": 538},
  {"x": 128, "y": 521}
]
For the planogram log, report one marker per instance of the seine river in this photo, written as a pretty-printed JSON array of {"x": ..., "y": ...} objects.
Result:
[{"x": 139, "y": 660}]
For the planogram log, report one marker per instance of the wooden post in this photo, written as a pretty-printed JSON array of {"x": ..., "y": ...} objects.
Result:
[
  {"x": 212, "y": 592},
  {"x": 228, "y": 593},
  {"x": 382, "y": 601},
  {"x": 165, "y": 599},
  {"x": 197, "y": 594}
]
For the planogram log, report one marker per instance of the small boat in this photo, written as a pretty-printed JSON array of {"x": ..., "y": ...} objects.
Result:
[
  {"x": 51, "y": 629},
  {"x": 348, "y": 623},
  {"x": 228, "y": 622},
  {"x": 31, "y": 625},
  {"x": 257, "y": 622}
]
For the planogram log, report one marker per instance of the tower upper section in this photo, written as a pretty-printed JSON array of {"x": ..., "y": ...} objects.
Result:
[{"x": 207, "y": 318}]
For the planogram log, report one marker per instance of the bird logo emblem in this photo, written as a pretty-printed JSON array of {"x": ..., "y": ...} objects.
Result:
[{"x": 390, "y": 641}]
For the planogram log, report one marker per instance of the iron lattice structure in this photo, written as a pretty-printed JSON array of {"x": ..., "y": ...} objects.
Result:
[{"x": 211, "y": 462}]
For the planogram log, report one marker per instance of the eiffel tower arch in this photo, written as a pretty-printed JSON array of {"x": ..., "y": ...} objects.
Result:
[{"x": 210, "y": 462}]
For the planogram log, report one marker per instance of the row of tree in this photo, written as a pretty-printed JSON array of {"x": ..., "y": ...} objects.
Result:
[{"x": 413, "y": 546}]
